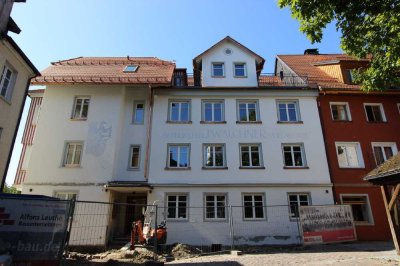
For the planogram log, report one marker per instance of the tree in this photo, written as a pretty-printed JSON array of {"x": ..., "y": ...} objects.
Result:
[
  {"x": 370, "y": 28},
  {"x": 10, "y": 189}
]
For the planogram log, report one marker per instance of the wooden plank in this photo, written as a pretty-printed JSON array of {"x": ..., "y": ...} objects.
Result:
[
  {"x": 390, "y": 220},
  {"x": 394, "y": 197}
]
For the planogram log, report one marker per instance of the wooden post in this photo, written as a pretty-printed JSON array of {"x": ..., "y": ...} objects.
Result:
[
  {"x": 394, "y": 197},
  {"x": 390, "y": 219}
]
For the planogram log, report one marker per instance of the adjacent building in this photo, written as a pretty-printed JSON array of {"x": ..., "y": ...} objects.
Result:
[
  {"x": 16, "y": 71},
  {"x": 140, "y": 130},
  {"x": 361, "y": 131}
]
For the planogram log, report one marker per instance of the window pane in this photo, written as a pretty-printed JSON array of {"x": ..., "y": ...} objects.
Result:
[
  {"x": 255, "y": 160},
  {"x": 78, "y": 151},
  {"x": 218, "y": 112},
  {"x": 184, "y": 157},
  {"x": 259, "y": 211},
  {"x": 377, "y": 113},
  {"x": 288, "y": 159},
  {"x": 352, "y": 158},
  {"x": 209, "y": 156},
  {"x": 388, "y": 152},
  {"x": 378, "y": 155},
  {"x": 282, "y": 113},
  {"x": 78, "y": 107},
  {"x": 135, "y": 157},
  {"x": 245, "y": 159},
  {"x": 175, "y": 111},
  {"x": 252, "y": 114},
  {"x": 370, "y": 114},
  {"x": 298, "y": 158},
  {"x": 240, "y": 70},
  {"x": 70, "y": 152},
  {"x": 173, "y": 156},
  {"x": 242, "y": 112},
  {"x": 208, "y": 112},
  {"x": 292, "y": 112},
  {"x": 248, "y": 211},
  {"x": 219, "y": 159},
  {"x": 184, "y": 112}
]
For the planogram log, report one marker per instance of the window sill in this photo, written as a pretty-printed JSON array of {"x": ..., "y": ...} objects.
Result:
[
  {"x": 218, "y": 76},
  {"x": 254, "y": 219},
  {"x": 216, "y": 220},
  {"x": 71, "y": 166},
  {"x": 133, "y": 169},
  {"x": 214, "y": 168},
  {"x": 178, "y": 122},
  {"x": 351, "y": 168},
  {"x": 296, "y": 168},
  {"x": 78, "y": 119},
  {"x": 177, "y": 168},
  {"x": 289, "y": 122},
  {"x": 252, "y": 168},
  {"x": 137, "y": 124},
  {"x": 212, "y": 122},
  {"x": 341, "y": 121},
  {"x": 377, "y": 122},
  {"x": 248, "y": 122},
  {"x": 240, "y": 77},
  {"x": 172, "y": 220},
  {"x": 5, "y": 100}
]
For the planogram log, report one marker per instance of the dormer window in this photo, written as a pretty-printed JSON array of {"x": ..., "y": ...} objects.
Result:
[
  {"x": 240, "y": 70},
  {"x": 218, "y": 70},
  {"x": 130, "y": 68},
  {"x": 349, "y": 76}
]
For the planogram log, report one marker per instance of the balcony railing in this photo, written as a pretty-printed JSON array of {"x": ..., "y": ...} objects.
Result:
[
  {"x": 282, "y": 80},
  {"x": 264, "y": 80}
]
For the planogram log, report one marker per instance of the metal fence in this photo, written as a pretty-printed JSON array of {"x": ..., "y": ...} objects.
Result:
[{"x": 105, "y": 226}]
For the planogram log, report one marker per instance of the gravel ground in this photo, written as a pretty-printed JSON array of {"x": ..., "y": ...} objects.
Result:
[{"x": 350, "y": 254}]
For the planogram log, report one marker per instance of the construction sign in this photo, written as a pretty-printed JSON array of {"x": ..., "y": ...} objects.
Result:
[
  {"x": 33, "y": 230},
  {"x": 327, "y": 224}
]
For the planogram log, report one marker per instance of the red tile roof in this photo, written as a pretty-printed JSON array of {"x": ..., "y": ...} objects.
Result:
[
  {"x": 305, "y": 65},
  {"x": 107, "y": 70}
]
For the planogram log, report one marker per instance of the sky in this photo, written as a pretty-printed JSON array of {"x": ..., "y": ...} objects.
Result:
[{"x": 176, "y": 30}]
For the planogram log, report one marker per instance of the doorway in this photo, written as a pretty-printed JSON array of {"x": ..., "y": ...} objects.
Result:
[{"x": 135, "y": 208}]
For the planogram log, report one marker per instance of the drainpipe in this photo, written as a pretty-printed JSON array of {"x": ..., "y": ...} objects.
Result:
[
  {"x": 149, "y": 129},
  {"x": 325, "y": 142},
  {"x": 3, "y": 181}
]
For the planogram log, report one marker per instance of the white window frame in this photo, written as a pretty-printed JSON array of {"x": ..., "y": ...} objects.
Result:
[
  {"x": 370, "y": 215},
  {"x": 205, "y": 145},
  {"x": 358, "y": 150},
  {"x": 260, "y": 158},
  {"x": 393, "y": 145},
  {"x": 177, "y": 194},
  {"x": 135, "y": 108},
  {"x": 56, "y": 193},
  {"x": 213, "y": 102},
  {"x": 212, "y": 69},
  {"x": 298, "y": 194},
  {"x": 286, "y": 102},
  {"x": 79, "y": 117},
  {"x": 10, "y": 86},
  {"x": 244, "y": 69},
  {"x": 247, "y": 102},
  {"x": 178, "y": 145},
  {"x": 130, "y": 167},
  {"x": 253, "y": 207},
  {"x": 347, "y": 107},
  {"x": 380, "y": 108},
  {"x": 303, "y": 154},
  {"x": 65, "y": 157},
  {"x": 179, "y": 101},
  {"x": 214, "y": 219}
]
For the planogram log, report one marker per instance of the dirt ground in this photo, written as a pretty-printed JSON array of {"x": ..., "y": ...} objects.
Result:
[
  {"x": 345, "y": 254},
  {"x": 350, "y": 254}
]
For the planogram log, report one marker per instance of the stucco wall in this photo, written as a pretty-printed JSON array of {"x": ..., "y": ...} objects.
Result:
[
  {"x": 10, "y": 108},
  {"x": 238, "y": 55}
]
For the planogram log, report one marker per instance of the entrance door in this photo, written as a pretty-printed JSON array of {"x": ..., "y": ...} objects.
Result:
[{"x": 136, "y": 205}]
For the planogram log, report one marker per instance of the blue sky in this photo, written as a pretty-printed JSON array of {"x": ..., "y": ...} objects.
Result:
[{"x": 172, "y": 30}]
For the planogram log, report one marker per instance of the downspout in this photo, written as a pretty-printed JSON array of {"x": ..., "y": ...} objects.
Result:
[
  {"x": 149, "y": 129},
  {"x": 325, "y": 142},
  {"x": 3, "y": 181}
]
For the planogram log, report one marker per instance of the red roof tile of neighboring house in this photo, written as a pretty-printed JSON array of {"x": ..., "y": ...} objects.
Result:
[
  {"x": 107, "y": 70},
  {"x": 305, "y": 65}
]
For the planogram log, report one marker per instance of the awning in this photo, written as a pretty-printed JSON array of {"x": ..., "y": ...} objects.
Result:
[{"x": 128, "y": 186}]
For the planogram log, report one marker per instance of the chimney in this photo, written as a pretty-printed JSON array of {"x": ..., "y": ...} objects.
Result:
[{"x": 313, "y": 51}]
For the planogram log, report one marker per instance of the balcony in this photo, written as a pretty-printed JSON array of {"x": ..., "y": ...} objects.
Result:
[{"x": 264, "y": 80}]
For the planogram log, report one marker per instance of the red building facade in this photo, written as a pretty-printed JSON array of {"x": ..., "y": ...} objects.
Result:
[{"x": 361, "y": 130}]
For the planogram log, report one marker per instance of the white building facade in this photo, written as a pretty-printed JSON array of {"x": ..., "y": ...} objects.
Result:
[{"x": 224, "y": 150}]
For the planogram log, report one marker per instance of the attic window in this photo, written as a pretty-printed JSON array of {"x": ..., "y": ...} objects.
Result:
[{"x": 131, "y": 68}]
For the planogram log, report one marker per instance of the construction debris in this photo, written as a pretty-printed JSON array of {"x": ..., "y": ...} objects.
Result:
[{"x": 182, "y": 251}]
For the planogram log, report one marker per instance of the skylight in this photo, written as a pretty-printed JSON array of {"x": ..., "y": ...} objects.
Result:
[{"x": 131, "y": 68}]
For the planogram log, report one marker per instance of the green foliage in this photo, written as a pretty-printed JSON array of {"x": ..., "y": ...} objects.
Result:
[
  {"x": 10, "y": 189},
  {"x": 370, "y": 28}
]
